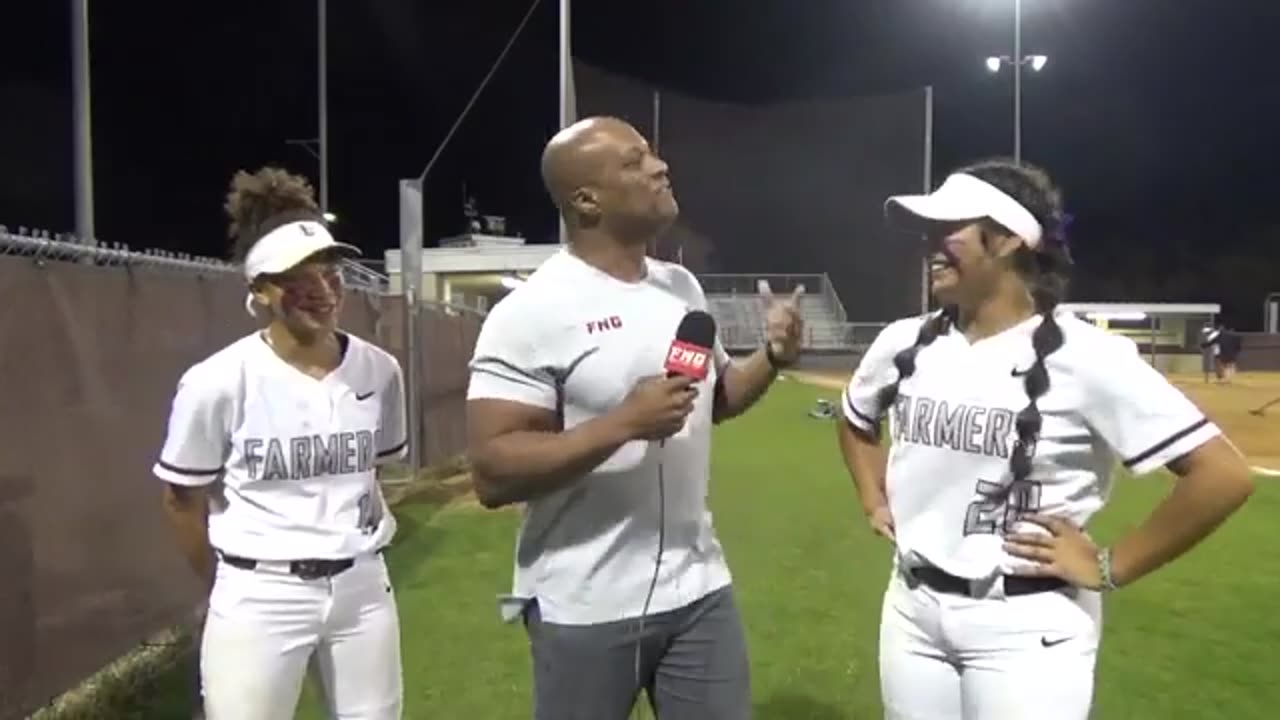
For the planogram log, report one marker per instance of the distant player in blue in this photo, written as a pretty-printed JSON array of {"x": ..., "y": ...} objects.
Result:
[{"x": 1224, "y": 347}]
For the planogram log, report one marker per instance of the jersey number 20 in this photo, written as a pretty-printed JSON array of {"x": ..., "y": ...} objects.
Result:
[{"x": 999, "y": 507}]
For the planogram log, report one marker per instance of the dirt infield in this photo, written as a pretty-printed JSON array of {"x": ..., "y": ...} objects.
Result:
[{"x": 1257, "y": 435}]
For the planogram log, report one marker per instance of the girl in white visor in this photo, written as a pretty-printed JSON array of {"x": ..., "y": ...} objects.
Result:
[
  {"x": 1006, "y": 418},
  {"x": 270, "y": 464}
]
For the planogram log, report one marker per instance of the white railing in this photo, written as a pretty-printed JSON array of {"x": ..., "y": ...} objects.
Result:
[
  {"x": 739, "y": 307},
  {"x": 828, "y": 336},
  {"x": 360, "y": 276},
  {"x": 747, "y": 284},
  {"x": 815, "y": 285}
]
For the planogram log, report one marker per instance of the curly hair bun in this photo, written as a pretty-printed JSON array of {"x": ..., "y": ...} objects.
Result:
[{"x": 264, "y": 200}]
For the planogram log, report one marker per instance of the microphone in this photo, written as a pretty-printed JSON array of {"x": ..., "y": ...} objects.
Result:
[
  {"x": 689, "y": 356},
  {"x": 691, "y": 351}
]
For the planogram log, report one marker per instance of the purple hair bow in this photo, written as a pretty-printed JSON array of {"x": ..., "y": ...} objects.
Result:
[{"x": 1060, "y": 232}]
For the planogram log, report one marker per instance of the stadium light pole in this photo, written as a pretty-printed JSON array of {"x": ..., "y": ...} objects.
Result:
[
  {"x": 566, "y": 89},
  {"x": 1018, "y": 61},
  {"x": 322, "y": 66},
  {"x": 82, "y": 121},
  {"x": 320, "y": 151}
]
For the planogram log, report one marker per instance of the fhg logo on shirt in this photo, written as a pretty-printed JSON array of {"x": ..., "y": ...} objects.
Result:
[{"x": 613, "y": 322}]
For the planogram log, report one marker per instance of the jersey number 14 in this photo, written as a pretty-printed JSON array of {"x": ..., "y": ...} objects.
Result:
[
  {"x": 370, "y": 513},
  {"x": 1000, "y": 507}
]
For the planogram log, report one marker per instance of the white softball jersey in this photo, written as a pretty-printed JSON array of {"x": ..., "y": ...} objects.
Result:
[
  {"x": 953, "y": 429},
  {"x": 296, "y": 456},
  {"x": 575, "y": 340}
]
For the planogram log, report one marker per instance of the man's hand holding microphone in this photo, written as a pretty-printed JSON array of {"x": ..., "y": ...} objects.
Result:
[
  {"x": 658, "y": 405},
  {"x": 656, "y": 408}
]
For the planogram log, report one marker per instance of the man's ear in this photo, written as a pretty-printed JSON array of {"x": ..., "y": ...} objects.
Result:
[{"x": 585, "y": 202}]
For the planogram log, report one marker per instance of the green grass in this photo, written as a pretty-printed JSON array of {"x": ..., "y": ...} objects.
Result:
[{"x": 1196, "y": 640}]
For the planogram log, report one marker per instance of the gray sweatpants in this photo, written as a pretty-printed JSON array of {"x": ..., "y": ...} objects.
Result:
[{"x": 693, "y": 665}]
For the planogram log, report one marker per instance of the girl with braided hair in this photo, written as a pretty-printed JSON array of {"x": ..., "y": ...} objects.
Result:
[{"x": 1006, "y": 417}]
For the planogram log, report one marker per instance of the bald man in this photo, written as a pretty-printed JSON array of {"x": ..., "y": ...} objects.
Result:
[{"x": 619, "y": 577}]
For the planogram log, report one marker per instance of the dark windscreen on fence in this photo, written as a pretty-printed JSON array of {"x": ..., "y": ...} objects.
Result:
[{"x": 89, "y": 361}]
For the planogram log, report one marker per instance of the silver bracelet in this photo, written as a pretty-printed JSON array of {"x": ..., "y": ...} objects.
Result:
[{"x": 1107, "y": 583}]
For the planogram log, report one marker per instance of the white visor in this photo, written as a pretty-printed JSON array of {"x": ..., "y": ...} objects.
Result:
[
  {"x": 286, "y": 247},
  {"x": 961, "y": 198}
]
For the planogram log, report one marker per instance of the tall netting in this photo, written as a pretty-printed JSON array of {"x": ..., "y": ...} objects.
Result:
[
  {"x": 789, "y": 187},
  {"x": 597, "y": 92}
]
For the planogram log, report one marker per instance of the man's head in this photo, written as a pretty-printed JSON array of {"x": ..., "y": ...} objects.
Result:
[{"x": 603, "y": 175}]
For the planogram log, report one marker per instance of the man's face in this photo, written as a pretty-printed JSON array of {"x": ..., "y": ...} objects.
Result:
[
  {"x": 633, "y": 188},
  {"x": 306, "y": 298}
]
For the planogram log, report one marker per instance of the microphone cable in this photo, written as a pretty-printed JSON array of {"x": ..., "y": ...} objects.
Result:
[{"x": 657, "y": 565}]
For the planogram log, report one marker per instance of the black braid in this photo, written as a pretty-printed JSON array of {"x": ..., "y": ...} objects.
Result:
[
  {"x": 1045, "y": 340},
  {"x": 905, "y": 360},
  {"x": 1044, "y": 270}
]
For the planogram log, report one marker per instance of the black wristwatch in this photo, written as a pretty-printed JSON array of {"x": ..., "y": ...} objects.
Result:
[{"x": 774, "y": 362}]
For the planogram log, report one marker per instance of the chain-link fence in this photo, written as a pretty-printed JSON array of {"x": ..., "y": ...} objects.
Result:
[
  {"x": 92, "y": 343},
  {"x": 41, "y": 246}
]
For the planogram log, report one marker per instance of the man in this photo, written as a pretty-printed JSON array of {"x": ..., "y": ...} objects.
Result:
[
  {"x": 619, "y": 576},
  {"x": 1224, "y": 347}
]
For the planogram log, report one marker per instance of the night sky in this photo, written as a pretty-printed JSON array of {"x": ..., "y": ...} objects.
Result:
[{"x": 1158, "y": 117}]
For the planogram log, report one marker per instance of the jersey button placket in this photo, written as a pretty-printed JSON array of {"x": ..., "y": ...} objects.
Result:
[
  {"x": 304, "y": 414},
  {"x": 332, "y": 399}
]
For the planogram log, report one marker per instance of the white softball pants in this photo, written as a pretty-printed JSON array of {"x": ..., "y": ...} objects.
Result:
[
  {"x": 952, "y": 657},
  {"x": 266, "y": 628}
]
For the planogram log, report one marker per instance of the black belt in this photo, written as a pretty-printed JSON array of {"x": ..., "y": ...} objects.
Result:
[
  {"x": 305, "y": 569},
  {"x": 944, "y": 582}
]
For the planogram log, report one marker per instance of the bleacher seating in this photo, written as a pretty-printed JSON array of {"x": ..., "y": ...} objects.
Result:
[
  {"x": 739, "y": 310},
  {"x": 740, "y": 319}
]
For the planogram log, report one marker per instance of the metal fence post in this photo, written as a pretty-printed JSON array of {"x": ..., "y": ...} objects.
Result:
[{"x": 411, "y": 230}]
